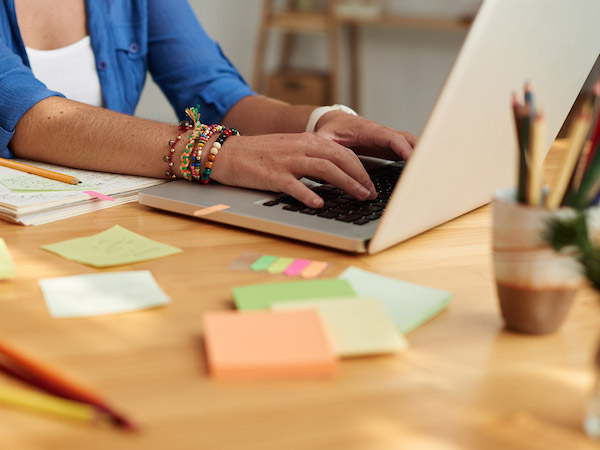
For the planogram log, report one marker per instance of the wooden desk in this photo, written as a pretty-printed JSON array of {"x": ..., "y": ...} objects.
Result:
[{"x": 465, "y": 383}]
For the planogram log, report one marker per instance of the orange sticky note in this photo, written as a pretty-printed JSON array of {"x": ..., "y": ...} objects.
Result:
[{"x": 265, "y": 344}]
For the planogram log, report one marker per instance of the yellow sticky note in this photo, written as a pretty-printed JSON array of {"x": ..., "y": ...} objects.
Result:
[
  {"x": 356, "y": 326},
  {"x": 112, "y": 247},
  {"x": 7, "y": 269}
]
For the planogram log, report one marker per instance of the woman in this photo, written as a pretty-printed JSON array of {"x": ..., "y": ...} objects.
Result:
[{"x": 87, "y": 122}]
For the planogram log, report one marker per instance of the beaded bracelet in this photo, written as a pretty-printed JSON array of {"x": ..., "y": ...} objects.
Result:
[
  {"x": 184, "y": 125},
  {"x": 214, "y": 151},
  {"x": 196, "y": 157}
]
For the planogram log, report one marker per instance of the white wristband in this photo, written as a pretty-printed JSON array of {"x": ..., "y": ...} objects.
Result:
[{"x": 318, "y": 113}]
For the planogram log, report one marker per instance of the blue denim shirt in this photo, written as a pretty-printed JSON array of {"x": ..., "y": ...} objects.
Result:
[{"x": 129, "y": 38}]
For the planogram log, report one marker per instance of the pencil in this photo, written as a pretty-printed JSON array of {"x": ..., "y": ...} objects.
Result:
[
  {"x": 48, "y": 404},
  {"x": 534, "y": 181},
  {"x": 38, "y": 171},
  {"x": 48, "y": 379},
  {"x": 579, "y": 132}
]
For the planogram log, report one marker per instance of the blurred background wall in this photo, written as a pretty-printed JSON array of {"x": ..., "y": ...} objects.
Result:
[{"x": 402, "y": 69}]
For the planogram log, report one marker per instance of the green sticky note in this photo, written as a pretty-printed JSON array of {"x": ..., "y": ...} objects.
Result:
[
  {"x": 409, "y": 305},
  {"x": 7, "y": 269},
  {"x": 112, "y": 247},
  {"x": 280, "y": 265},
  {"x": 262, "y": 296},
  {"x": 263, "y": 263}
]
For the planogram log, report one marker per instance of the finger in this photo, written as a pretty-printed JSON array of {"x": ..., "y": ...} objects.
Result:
[
  {"x": 332, "y": 174},
  {"x": 299, "y": 191},
  {"x": 344, "y": 159},
  {"x": 389, "y": 138}
]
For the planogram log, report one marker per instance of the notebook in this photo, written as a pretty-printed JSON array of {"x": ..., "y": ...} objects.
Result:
[{"x": 468, "y": 146}]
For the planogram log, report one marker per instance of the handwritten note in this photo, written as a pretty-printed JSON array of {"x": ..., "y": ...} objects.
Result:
[
  {"x": 7, "y": 269},
  {"x": 112, "y": 247},
  {"x": 29, "y": 182},
  {"x": 101, "y": 293}
]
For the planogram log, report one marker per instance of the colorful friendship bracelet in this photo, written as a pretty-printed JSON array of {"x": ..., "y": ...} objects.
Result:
[
  {"x": 184, "y": 125},
  {"x": 214, "y": 151},
  {"x": 199, "y": 129}
]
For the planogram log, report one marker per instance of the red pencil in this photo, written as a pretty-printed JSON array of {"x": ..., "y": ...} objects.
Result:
[{"x": 43, "y": 377}]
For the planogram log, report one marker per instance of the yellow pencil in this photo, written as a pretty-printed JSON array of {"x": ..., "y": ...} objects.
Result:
[
  {"x": 48, "y": 404},
  {"x": 38, "y": 171},
  {"x": 580, "y": 129},
  {"x": 534, "y": 186}
]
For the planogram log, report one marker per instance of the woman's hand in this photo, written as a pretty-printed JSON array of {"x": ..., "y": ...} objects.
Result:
[
  {"x": 276, "y": 162},
  {"x": 366, "y": 137}
]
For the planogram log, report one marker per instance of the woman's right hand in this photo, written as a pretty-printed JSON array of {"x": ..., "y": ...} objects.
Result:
[{"x": 276, "y": 162}]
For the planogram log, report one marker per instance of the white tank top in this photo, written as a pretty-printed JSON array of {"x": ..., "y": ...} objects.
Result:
[{"x": 70, "y": 70}]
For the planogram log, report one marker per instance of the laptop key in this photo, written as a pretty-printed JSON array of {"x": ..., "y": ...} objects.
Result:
[
  {"x": 309, "y": 211},
  {"x": 296, "y": 207},
  {"x": 271, "y": 203},
  {"x": 362, "y": 221}
]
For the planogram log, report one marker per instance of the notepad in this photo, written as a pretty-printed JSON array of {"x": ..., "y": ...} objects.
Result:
[
  {"x": 7, "y": 268},
  {"x": 264, "y": 344},
  {"x": 409, "y": 305},
  {"x": 261, "y": 296},
  {"x": 112, "y": 247},
  {"x": 101, "y": 293},
  {"x": 356, "y": 326}
]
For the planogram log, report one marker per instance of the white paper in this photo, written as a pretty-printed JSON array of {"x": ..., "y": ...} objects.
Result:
[
  {"x": 20, "y": 206},
  {"x": 102, "y": 293}
]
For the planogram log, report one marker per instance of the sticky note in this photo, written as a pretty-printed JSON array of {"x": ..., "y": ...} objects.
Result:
[
  {"x": 101, "y": 293},
  {"x": 265, "y": 344},
  {"x": 296, "y": 267},
  {"x": 261, "y": 296},
  {"x": 7, "y": 268},
  {"x": 409, "y": 305},
  {"x": 112, "y": 247},
  {"x": 279, "y": 265},
  {"x": 99, "y": 196},
  {"x": 356, "y": 326},
  {"x": 263, "y": 262},
  {"x": 314, "y": 269}
]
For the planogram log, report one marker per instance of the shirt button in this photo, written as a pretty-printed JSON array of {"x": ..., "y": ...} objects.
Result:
[
  {"x": 102, "y": 65},
  {"x": 134, "y": 47}
]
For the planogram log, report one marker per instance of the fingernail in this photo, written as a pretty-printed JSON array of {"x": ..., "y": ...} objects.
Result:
[
  {"x": 316, "y": 203},
  {"x": 363, "y": 192}
]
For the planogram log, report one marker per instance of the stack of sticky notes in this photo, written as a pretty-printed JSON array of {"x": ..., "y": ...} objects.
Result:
[
  {"x": 266, "y": 345},
  {"x": 359, "y": 314}
]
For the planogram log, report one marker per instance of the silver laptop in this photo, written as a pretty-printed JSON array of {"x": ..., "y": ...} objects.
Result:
[{"x": 467, "y": 148}]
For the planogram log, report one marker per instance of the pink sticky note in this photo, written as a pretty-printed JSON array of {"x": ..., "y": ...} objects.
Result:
[
  {"x": 99, "y": 195},
  {"x": 265, "y": 344},
  {"x": 296, "y": 267}
]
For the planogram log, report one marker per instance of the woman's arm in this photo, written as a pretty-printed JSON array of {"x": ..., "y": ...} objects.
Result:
[{"x": 73, "y": 134}]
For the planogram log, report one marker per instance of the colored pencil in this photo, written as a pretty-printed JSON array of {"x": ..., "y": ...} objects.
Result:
[
  {"x": 38, "y": 171},
  {"x": 578, "y": 134},
  {"x": 537, "y": 145},
  {"x": 50, "y": 380},
  {"x": 49, "y": 404},
  {"x": 522, "y": 114}
]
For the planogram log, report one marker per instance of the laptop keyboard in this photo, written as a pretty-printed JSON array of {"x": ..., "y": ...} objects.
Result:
[{"x": 343, "y": 207}]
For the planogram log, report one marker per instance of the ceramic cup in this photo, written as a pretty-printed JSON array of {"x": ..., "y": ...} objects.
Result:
[{"x": 536, "y": 286}]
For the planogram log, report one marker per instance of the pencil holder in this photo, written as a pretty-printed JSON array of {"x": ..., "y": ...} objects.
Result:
[{"x": 536, "y": 285}]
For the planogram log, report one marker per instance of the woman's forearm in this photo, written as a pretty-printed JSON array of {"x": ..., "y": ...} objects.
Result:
[
  {"x": 256, "y": 114},
  {"x": 72, "y": 134}
]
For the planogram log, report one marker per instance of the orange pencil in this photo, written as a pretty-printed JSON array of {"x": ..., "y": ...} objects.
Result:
[
  {"x": 38, "y": 171},
  {"x": 48, "y": 379}
]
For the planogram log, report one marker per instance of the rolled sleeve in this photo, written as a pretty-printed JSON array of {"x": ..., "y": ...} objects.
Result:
[
  {"x": 19, "y": 91},
  {"x": 189, "y": 75}
]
